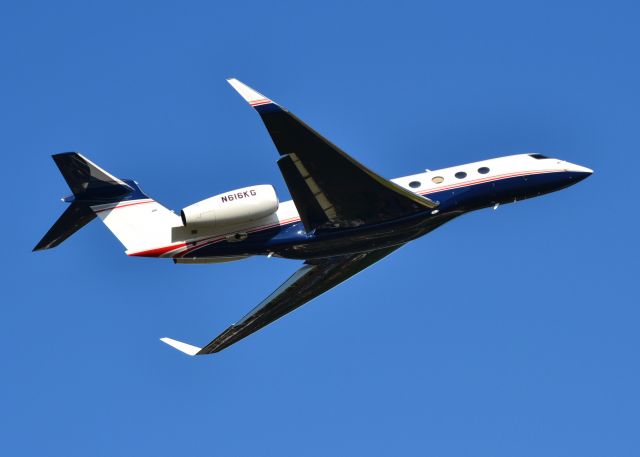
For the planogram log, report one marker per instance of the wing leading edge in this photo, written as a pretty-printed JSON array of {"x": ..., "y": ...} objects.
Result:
[
  {"x": 313, "y": 279},
  {"x": 329, "y": 188}
]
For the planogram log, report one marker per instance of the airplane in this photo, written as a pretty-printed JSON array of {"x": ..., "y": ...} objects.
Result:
[{"x": 343, "y": 217}]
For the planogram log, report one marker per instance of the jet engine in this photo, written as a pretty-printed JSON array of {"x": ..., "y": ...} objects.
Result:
[{"x": 231, "y": 208}]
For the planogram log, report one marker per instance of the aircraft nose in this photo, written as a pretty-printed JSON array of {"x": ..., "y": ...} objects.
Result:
[
  {"x": 580, "y": 169},
  {"x": 578, "y": 172}
]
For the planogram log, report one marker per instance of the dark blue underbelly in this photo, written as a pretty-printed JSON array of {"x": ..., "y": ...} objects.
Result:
[{"x": 292, "y": 241}]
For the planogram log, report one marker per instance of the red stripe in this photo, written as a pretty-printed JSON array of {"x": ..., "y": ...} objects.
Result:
[
  {"x": 158, "y": 251},
  {"x": 121, "y": 206}
]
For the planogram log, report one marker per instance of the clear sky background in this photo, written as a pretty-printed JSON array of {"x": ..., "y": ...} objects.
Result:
[{"x": 509, "y": 332}]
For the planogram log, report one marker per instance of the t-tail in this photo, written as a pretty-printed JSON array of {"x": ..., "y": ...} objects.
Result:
[{"x": 140, "y": 223}]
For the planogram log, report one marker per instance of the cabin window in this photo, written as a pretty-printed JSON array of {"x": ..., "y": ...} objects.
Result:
[
  {"x": 437, "y": 179},
  {"x": 414, "y": 184},
  {"x": 461, "y": 175},
  {"x": 538, "y": 156},
  {"x": 483, "y": 170}
]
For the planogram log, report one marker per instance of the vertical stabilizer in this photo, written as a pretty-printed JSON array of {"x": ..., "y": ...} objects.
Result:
[{"x": 141, "y": 224}]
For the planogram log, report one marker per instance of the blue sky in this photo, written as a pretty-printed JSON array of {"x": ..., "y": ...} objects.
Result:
[{"x": 504, "y": 333}]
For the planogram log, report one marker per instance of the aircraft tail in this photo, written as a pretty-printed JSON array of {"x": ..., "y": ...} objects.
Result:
[{"x": 140, "y": 223}]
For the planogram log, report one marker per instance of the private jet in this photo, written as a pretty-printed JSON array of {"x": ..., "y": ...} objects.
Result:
[{"x": 343, "y": 217}]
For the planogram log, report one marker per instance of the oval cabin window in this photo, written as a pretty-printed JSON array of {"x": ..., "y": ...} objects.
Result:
[
  {"x": 414, "y": 184},
  {"x": 483, "y": 170},
  {"x": 461, "y": 175},
  {"x": 437, "y": 179}
]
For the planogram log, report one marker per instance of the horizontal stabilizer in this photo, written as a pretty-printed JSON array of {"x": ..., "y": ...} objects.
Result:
[
  {"x": 73, "y": 219},
  {"x": 88, "y": 181},
  {"x": 180, "y": 346}
]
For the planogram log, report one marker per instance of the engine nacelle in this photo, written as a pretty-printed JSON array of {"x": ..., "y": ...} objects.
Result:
[{"x": 232, "y": 208}]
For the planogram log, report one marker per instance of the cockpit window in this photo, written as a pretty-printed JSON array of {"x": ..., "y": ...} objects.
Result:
[{"x": 539, "y": 156}]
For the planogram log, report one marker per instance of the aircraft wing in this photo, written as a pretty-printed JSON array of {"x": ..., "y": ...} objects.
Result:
[
  {"x": 313, "y": 279},
  {"x": 328, "y": 187}
]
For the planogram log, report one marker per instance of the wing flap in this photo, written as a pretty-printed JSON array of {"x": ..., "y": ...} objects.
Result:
[{"x": 311, "y": 212}]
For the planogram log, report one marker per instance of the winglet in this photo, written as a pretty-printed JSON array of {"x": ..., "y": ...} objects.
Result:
[
  {"x": 252, "y": 97},
  {"x": 180, "y": 346}
]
